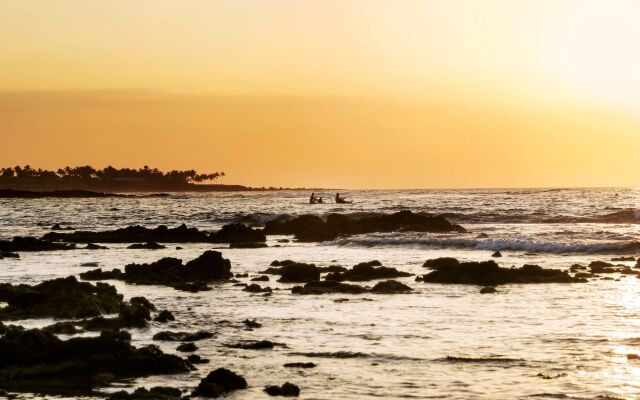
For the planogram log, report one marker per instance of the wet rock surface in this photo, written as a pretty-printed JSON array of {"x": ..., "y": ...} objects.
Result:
[
  {"x": 311, "y": 228},
  {"x": 489, "y": 273},
  {"x": 254, "y": 345}
]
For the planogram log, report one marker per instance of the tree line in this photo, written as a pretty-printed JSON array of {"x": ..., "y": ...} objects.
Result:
[{"x": 109, "y": 175}]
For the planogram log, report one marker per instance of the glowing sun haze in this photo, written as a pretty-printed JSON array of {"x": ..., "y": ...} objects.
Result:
[{"x": 343, "y": 93}]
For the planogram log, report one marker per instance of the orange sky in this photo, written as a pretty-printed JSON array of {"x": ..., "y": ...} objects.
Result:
[{"x": 359, "y": 94}]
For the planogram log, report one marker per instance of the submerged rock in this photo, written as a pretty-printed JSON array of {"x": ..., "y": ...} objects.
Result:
[
  {"x": 89, "y": 264},
  {"x": 488, "y": 273},
  {"x": 255, "y": 288},
  {"x": 248, "y": 245},
  {"x": 8, "y": 254},
  {"x": 311, "y": 228},
  {"x": 63, "y": 298},
  {"x": 182, "y": 336},
  {"x": 219, "y": 382},
  {"x": 623, "y": 259},
  {"x": 148, "y": 246},
  {"x": 300, "y": 365},
  {"x": 252, "y": 324},
  {"x": 287, "y": 390},
  {"x": 187, "y": 347},
  {"x": 253, "y": 345},
  {"x": 37, "y": 361},
  {"x": 196, "y": 359},
  {"x": 164, "y": 316},
  {"x": 158, "y": 392},
  {"x": 261, "y": 278},
  {"x": 366, "y": 271},
  {"x": 92, "y": 246},
  {"x": 497, "y": 254},
  {"x": 488, "y": 289},
  {"x": 326, "y": 287}
]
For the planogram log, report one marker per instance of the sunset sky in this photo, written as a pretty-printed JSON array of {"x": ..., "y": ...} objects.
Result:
[{"x": 344, "y": 93}]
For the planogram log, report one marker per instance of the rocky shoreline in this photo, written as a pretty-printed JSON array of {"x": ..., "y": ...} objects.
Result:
[{"x": 88, "y": 346}]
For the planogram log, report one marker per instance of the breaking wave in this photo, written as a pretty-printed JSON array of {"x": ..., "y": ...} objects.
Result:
[{"x": 628, "y": 247}]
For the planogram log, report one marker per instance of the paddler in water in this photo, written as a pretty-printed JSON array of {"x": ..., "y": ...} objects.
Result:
[
  {"x": 315, "y": 200},
  {"x": 341, "y": 200}
]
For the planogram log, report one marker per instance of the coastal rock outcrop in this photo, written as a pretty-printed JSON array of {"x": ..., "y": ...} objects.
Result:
[
  {"x": 64, "y": 298},
  {"x": 192, "y": 276},
  {"x": 238, "y": 233},
  {"x": 133, "y": 234},
  {"x": 232, "y": 233},
  {"x": 489, "y": 273},
  {"x": 311, "y": 228}
]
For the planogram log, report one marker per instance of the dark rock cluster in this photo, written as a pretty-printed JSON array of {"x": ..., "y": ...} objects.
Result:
[
  {"x": 311, "y": 228},
  {"x": 192, "y": 276}
]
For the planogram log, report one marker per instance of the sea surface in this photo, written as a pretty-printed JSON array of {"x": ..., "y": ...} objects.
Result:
[{"x": 542, "y": 341}]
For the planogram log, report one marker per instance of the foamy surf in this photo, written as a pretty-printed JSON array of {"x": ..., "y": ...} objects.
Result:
[{"x": 533, "y": 246}]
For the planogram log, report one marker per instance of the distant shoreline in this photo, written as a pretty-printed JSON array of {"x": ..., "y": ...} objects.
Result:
[{"x": 146, "y": 191}]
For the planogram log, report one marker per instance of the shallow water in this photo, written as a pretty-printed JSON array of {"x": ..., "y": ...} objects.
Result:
[{"x": 442, "y": 341}]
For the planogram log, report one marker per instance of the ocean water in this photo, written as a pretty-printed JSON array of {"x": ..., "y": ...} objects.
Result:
[{"x": 441, "y": 341}]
